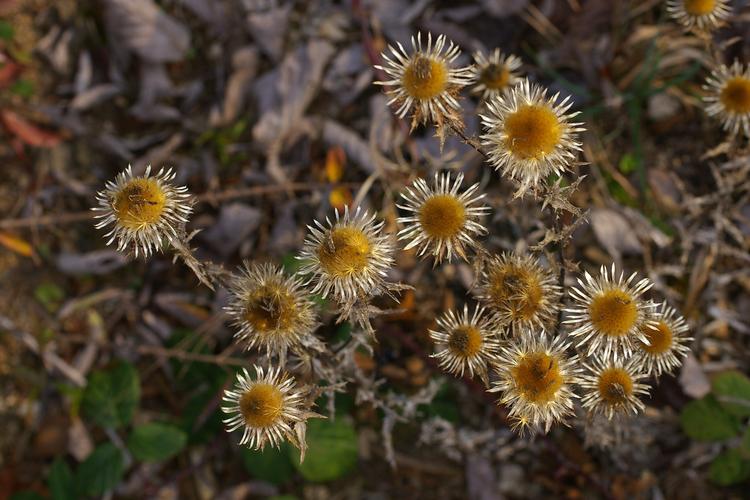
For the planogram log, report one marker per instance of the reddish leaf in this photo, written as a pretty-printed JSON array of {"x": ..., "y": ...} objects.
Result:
[
  {"x": 27, "y": 131},
  {"x": 8, "y": 73}
]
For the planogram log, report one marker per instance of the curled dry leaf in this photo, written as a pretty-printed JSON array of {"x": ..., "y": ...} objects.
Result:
[{"x": 27, "y": 131}]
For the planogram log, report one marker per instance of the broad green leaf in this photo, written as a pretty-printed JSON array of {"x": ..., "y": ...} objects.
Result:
[
  {"x": 729, "y": 468},
  {"x": 101, "y": 471},
  {"x": 111, "y": 396},
  {"x": 705, "y": 420},
  {"x": 745, "y": 444},
  {"x": 6, "y": 31},
  {"x": 271, "y": 464},
  {"x": 156, "y": 442},
  {"x": 26, "y": 495},
  {"x": 332, "y": 450},
  {"x": 200, "y": 428},
  {"x": 732, "y": 389},
  {"x": 60, "y": 481}
]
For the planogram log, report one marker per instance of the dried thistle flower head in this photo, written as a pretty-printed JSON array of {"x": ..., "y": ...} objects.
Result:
[
  {"x": 267, "y": 408},
  {"x": 494, "y": 74},
  {"x": 348, "y": 258},
  {"x": 666, "y": 335},
  {"x": 536, "y": 379},
  {"x": 270, "y": 310},
  {"x": 612, "y": 387},
  {"x": 728, "y": 97},
  {"x": 443, "y": 220},
  {"x": 426, "y": 82},
  {"x": 608, "y": 314},
  {"x": 701, "y": 14},
  {"x": 465, "y": 342},
  {"x": 144, "y": 211},
  {"x": 529, "y": 136},
  {"x": 519, "y": 291}
]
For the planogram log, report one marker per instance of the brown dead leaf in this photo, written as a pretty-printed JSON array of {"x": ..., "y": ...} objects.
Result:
[
  {"x": 28, "y": 132},
  {"x": 16, "y": 244}
]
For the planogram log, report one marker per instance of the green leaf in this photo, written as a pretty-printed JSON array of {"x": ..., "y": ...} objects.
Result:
[
  {"x": 22, "y": 88},
  {"x": 729, "y": 468},
  {"x": 745, "y": 444},
  {"x": 705, "y": 420},
  {"x": 156, "y": 442},
  {"x": 732, "y": 389},
  {"x": 6, "y": 31},
  {"x": 199, "y": 427},
  {"x": 26, "y": 495},
  {"x": 331, "y": 453},
  {"x": 49, "y": 295},
  {"x": 101, "y": 471},
  {"x": 60, "y": 481},
  {"x": 111, "y": 396},
  {"x": 271, "y": 464}
]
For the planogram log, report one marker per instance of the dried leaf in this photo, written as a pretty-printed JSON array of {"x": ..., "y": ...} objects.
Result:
[
  {"x": 16, "y": 244},
  {"x": 615, "y": 233},
  {"x": 28, "y": 132}
]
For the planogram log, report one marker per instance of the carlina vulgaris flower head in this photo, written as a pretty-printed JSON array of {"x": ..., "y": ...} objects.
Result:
[
  {"x": 703, "y": 15},
  {"x": 465, "y": 342},
  {"x": 425, "y": 82},
  {"x": 667, "y": 339},
  {"x": 608, "y": 314},
  {"x": 144, "y": 211},
  {"x": 728, "y": 97},
  {"x": 519, "y": 291},
  {"x": 530, "y": 136},
  {"x": 612, "y": 387},
  {"x": 269, "y": 408},
  {"x": 271, "y": 310},
  {"x": 442, "y": 220},
  {"x": 536, "y": 378},
  {"x": 495, "y": 73},
  {"x": 347, "y": 258}
]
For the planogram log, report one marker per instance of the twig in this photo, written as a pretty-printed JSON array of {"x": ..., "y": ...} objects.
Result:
[
  {"x": 471, "y": 141},
  {"x": 221, "y": 359}
]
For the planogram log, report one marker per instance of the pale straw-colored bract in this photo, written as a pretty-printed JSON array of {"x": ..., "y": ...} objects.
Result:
[
  {"x": 529, "y": 136},
  {"x": 425, "y": 80},
  {"x": 465, "y": 342},
  {"x": 347, "y": 258},
  {"x": 728, "y": 97},
  {"x": 612, "y": 387},
  {"x": 699, "y": 14},
  {"x": 667, "y": 335},
  {"x": 519, "y": 291},
  {"x": 443, "y": 221},
  {"x": 144, "y": 211},
  {"x": 608, "y": 313},
  {"x": 270, "y": 310},
  {"x": 536, "y": 378},
  {"x": 265, "y": 407},
  {"x": 494, "y": 74}
]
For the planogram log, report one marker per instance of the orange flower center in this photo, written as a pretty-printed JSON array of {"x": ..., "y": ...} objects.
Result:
[
  {"x": 270, "y": 309},
  {"x": 139, "y": 203},
  {"x": 425, "y": 78},
  {"x": 465, "y": 341},
  {"x": 613, "y": 312},
  {"x": 699, "y": 7},
  {"x": 537, "y": 377},
  {"x": 261, "y": 405},
  {"x": 495, "y": 76},
  {"x": 442, "y": 216},
  {"x": 659, "y": 338},
  {"x": 532, "y": 132},
  {"x": 735, "y": 96},
  {"x": 615, "y": 386},
  {"x": 516, "y": 289},
  {"x": 345, "y": 251}
]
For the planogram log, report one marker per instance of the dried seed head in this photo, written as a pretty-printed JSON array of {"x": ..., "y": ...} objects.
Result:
[
  {"x": 536, "y": 379},
  {"x": 728, "y": 97},
  {"x": 613, "y": 387},
  {"x": 144, "y": 211},
  {"x": 465, "y": 342},
  {"x": 441, "y": 219},
  {"x": 270, "y": 310},
  {"x": 494, "y": 74},
  {"x": 267, "y": 408},
  {"x": 529, "y": 135},
  {"x": 608, "y": 314},
  {"x": 701, "y": 14},
  {"x": 347, "y": 258},
  {"x": 426, "y": 82},
  {"x": 666, "y": 339},
  {"x": 519, "y": 291}
]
